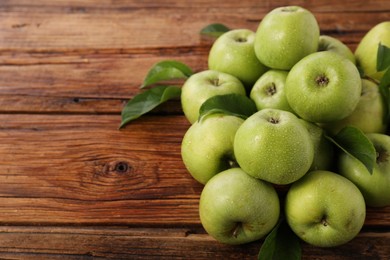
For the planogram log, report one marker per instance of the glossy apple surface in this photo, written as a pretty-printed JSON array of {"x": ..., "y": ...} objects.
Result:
[
  {"x": 233, "y": 53},
  {"x": 366, "y": 51},
  {"x": 203, "y": 85},
  {"x": 376, "y": 186},
  {"x": 325, "y": 209},
  {"x": 324, "y": 152},
  {"x": 268, "y": 91},
  {"x": 285, "y": 35},
  {"x": 368, "y": 116},
  {"x": 323, "y": 87},
  {"x": 236, "y": 208},
  {"x": 273, "y": 145},
  {"x": 207, "y": 146},
  {"x": 329, "y": 43}
]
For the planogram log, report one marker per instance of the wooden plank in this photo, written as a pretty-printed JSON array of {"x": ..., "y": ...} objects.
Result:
[
  {"x": 89, "y": 78},
  {"x": 130, "y": 31},
  {"x": 105, "y": 76},
  {"x": 68, "y": 84},
  {"x": 64, "y": 169},
  {"x": 55, "y": 166},
  {"x": 105, "y": 6},
  {"x": 25, "y": 242},
  {"x": 19, "y": 104},
  {"x": 83, "y": 189},
  {"x": 97, "y": 79},
  {"x": 60, "y": 105}
]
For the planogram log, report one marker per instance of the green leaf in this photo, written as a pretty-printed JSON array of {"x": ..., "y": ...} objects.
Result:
[
  {"x": 384, "y": 85},
  {"x": 383, "y": 57},
  {"x": 166, "y": 70},
  {"x": 231, "y": 104},
  {"x": 361, "y": 71},
  {"x": 281, "y": 244},
  {"x": 146, "y": 101},
  {"x": 214, "y": 30},
  {"x": 354, "y": 142}
]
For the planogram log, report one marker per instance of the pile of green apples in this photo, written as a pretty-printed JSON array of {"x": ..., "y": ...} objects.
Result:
[{"x": 305, "y": 86}]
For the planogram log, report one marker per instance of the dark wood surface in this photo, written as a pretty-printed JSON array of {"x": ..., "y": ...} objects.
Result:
[{"x": 73, "y": 186}]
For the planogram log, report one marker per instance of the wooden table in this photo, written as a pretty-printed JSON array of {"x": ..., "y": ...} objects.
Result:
[{"x": 73, "y": 186}]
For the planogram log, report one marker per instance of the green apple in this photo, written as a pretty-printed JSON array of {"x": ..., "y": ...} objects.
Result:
[
  {"x": 274, "y": 145},
  {"x": 366, "y": 51},
  {"x": 323, "y": 87},
  {"x": 268, "y": 91},
  {"x": 375, "y": 186},
  {"x": 325, "y": 209},
  {"x": 324, "y": 153},
  {"x": 236, "y": 208},
  {"x": 329, "y": 43},
  {"x": 368, "y": 115},
  {"x": 203, "y": 85},
  {"x": 233, "y": 53},
  {"x": 207, "y": 146},
  {"x": 285, "y": 35}
]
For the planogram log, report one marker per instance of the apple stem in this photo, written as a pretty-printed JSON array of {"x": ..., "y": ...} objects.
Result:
[
  {"x": 290, "y": 9},
  {"x": 240, "y": 39},
  {"x": 271, "y": 89},
  {"x": 322, "y": 81},
  {"x": 381, "y": 155},
  {"x": 237, "y": 229},
  {"x": 215, "y": 82},
  {"x": 324, "y": 222},
  {"x": 273, "y": 120},
  {"x": 233, "y": 164}
]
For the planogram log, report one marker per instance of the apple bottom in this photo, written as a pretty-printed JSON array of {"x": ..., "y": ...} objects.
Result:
[
  {"x": 325, "y": 209},
  {"x": 236, "y": 208}
]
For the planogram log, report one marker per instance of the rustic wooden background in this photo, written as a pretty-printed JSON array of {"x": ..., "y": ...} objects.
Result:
[{"x": 73, "y": 186}]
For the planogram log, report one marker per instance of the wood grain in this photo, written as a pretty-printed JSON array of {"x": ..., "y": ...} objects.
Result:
[
  {"x": 106, "y": 6},
  {"x": 26, "y": 242},
  {"x": 74, "y": 186},
  {"x": 45, "y": 70},
  {"x": 99, "y": 77},
  {"x": 45, "y": 32},
  {"x": 100, "y": 174},
  {"x": 82, "y": 169}
]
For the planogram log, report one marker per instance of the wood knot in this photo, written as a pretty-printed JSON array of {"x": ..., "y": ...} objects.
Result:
[
  {"x": 114, "y": 168},
  {"x": 122, "y": 167}
]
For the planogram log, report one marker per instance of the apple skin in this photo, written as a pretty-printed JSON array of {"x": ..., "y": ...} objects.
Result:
[
  {"x": 367, "y": 116},
  {"x": 268, "y": 91},
  {"x": 324, "y": 152},
  {"x": 202, "y": 85},
  {"x": 329, "y": 43},
  {"x": 375, "y": 187},
  {"x": 323, "y": 87},
  {"x": 276, "y": 46},
  {"x": 207, "y": 146},
  {"x": 366, "y": 51},
  {"x": 325, "y": 209},
  {"x": 273, "y": 145},
  {"x": 236, "y": 208},
  {"x": 233, "y": 53}
]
